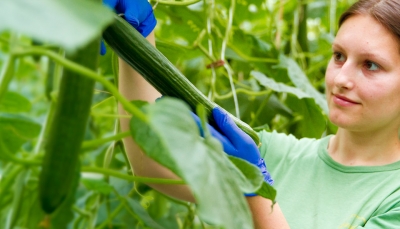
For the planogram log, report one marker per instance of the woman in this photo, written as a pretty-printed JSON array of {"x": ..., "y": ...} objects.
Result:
[{"x": 349, "y": 180}]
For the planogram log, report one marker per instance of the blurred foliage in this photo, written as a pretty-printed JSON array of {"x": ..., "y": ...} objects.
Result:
[{"x": 274, "y": 54}]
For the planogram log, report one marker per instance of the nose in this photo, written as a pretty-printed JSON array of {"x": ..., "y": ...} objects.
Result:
[{"x": 344, "y": 78}]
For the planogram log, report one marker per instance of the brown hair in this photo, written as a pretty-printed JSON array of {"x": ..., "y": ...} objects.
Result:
[{"x": 386, "y": 12}]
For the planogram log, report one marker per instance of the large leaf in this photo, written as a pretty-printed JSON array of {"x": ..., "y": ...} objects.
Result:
[
  {"x": 170, "y": 136},
  {"x": 14, "y": 102},
  {"x": 68, "y": 23},
  {"x": 301, "y": 81},
  {"x": 278, "y": 87},
  {"x": 249, "y": 175},
  {"x": 15, "y": 130},
  {"x": 312, "y": 122}
]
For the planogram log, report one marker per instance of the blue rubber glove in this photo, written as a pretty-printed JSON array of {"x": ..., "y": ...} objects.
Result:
[
  {"x": 138, "y": 13},
  {"x": 235, "y": 141}
]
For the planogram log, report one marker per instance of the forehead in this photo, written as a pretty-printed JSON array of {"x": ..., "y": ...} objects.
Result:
[{"x": 366, "y": 33}]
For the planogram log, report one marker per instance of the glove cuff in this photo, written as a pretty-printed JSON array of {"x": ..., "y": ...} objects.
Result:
[{"x": 265, "y": 173}]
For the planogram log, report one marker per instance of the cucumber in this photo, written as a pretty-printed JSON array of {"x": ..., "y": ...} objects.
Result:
[
  {"x": 134, "y": 49},
  {"x": 67, "y": 130}
]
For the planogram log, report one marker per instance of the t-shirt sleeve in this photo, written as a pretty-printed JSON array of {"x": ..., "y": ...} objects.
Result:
[
  {"x": 276, "y": 146},
  {"x": 280, "y": 151}
]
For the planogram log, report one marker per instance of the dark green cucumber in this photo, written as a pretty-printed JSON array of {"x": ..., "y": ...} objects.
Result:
[
  {"x": 67, "y": 130},
  {"x": 132, "y": 47}
]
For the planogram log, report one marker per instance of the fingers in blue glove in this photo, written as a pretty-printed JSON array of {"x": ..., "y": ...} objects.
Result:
[
  {"x": 243, "y": 144},
  {"x": 226, "y": 144},
  {"x": 235, "y": 141},
  {"x": 139, "y": 13}
]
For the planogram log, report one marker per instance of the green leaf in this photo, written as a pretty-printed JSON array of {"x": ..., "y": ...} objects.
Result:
[
  {"x": 142, "y": 214},
  {"x": 188, "y": 22},
  {"x": 278, "y": 87},
  {"x": 248, "y": 175},
  {"x": 97, "y": 185},
  {"x": 16, "y": 129},
  {"x": 14, "y": 102},
  {"x": 267, "y": 191},
  {"x": 312, "y": 122},
  {"x": 170, "y": 136},
  {"x": 67, "y": 23},
  {"x": 301, "y": 81}
]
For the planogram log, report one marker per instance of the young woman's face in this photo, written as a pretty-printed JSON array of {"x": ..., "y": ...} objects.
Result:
[{"x": 363, "y": 76}]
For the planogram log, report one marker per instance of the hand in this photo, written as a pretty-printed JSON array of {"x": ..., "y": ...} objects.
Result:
[
  {"x": 138, "y": 13},
  {"x": 235, "y": 141}
]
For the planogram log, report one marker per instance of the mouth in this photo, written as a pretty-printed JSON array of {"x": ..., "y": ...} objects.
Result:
[{"x": 343, "y": 100}]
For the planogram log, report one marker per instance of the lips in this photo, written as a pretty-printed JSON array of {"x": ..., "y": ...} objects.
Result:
[{"x": 343, "y": 100}]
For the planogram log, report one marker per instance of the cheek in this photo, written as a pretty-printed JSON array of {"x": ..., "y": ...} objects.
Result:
[{"x": 329, "y": 76}]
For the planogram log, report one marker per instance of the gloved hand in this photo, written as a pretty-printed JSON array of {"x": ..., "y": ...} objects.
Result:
[
  {"x": 235, "y": 141},
  {"x": 138, "y": 13}
]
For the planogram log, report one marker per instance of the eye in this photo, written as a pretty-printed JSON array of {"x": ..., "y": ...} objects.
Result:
[
  {"x": 339, "y": 57},
  {"x": 371, "y": 66}
]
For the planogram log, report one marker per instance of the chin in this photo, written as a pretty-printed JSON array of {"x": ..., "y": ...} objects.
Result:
[{"x": 340, "y": 120}]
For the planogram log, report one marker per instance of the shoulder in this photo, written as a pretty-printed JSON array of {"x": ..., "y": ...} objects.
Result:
[{"x": 281, "y": 143}]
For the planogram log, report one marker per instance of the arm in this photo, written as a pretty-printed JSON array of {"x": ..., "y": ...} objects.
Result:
[
  {"x": 266, "y": 216},
  {"x": 134, "y": 87}
]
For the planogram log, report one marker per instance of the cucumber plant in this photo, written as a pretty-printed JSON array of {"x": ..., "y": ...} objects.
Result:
[
  {"x": 238, "y": 46},
  {"x": 67, "y": 130}
]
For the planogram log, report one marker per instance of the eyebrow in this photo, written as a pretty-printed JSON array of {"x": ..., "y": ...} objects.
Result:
[{"x": 366, "y": 54}]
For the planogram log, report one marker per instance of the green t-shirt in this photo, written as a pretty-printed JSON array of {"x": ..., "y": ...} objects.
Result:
[{"x": 314, "y": 191}]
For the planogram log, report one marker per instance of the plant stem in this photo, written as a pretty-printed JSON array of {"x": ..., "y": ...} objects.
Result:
[
  {"x": 19, "y": 187},
  {"x": 110, "y": 172},
  {"x": 6, "y": 154},
  {"x": 113, "y": 215},
  {"x": 209, "y": 14},
  {"x": 228, "y": 29},
  {"x": 253, "y": 59},
  {"x": 176, "y": 3},
  {"x": 244, "y": 56},
  {"x": 223, "y": 49},
  {"x": 87, "y": 73},
  {"x": 205, "y": 52},
  {"x": 45, "y": 129},
  {"x": 81, "y": 212},
  {"x": 110, "y": 115},
  {"x": 260, "y": 108},
  {"x": 244, "y": 91},
  {"x": 95, "y": 143},
  {"x": 6, "y": 75}
]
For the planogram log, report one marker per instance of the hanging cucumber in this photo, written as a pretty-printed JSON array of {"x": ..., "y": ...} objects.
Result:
[
  {"x": 67, "y": 130},
  {"x": 133, "y": 48}
]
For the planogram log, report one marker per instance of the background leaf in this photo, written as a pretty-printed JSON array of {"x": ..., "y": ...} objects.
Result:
[
  {"x": 67, "y": 23},
  {"x": 301, "y": 81},
  {"x": 16, "y": 129},
  {"x": 171, "y": 137},
  {"x": 14, "y": 102}
]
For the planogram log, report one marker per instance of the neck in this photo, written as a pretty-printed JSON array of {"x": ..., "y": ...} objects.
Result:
[{"x": 365, "y": 149}]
